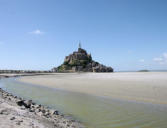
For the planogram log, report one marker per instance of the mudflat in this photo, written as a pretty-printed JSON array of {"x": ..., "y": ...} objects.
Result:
[{"x": 137, "y": 86}]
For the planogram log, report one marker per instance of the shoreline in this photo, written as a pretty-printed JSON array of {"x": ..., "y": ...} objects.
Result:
[{"x": 25, "y": 113}]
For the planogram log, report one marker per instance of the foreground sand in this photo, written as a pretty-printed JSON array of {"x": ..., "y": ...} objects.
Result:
[
  {"x": 11, "y": 116},
  {"x": 138, "y": 86}
]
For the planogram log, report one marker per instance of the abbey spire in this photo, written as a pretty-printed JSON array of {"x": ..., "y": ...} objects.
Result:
[{"x": 79, "y": 44}]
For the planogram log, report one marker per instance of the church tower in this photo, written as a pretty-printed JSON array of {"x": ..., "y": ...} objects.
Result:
[{"x": 79, "y": 44}]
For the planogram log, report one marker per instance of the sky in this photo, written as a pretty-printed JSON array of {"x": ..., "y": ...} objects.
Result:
[{"x": 123, "y": 34}]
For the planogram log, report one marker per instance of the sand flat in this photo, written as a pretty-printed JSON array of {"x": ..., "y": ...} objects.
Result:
[{"x": 138, "y": 86}]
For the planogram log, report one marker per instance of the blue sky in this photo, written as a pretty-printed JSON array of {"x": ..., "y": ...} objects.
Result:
[{"x": 124, "y": 34}]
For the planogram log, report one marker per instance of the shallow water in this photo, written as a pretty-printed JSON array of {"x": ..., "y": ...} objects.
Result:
[{"x": 94, "y": 112}]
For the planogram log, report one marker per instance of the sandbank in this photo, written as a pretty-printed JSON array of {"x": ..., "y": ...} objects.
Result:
[{"x": 136, "y": 86}]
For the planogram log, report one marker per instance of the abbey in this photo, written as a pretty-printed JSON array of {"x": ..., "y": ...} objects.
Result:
[{"x": 81, "y": 61}]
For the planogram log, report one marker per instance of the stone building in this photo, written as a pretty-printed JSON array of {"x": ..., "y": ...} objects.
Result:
[{"x": 81, "y": 61}]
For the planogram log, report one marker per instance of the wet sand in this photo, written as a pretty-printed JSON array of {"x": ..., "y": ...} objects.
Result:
[{"x": 138, "y": 86}]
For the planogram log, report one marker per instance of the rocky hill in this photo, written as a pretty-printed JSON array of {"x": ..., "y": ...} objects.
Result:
[{"x": 81, "y": 61}]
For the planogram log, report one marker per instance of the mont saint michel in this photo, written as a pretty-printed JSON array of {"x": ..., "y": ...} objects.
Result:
[
  {"x": 116, "y": 79},
  {"x": 81, "y": 61}
]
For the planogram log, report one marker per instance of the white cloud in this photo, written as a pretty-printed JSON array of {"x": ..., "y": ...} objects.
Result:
[
  {"x": 165, "y": 55},
  {"x": 141, "y": 60},
  {"x": 161, "y": 63},
  {"x": 37, "y": 32},
  {"x": 158, "y": 59},
  {"x": 162, "y": 59}
]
